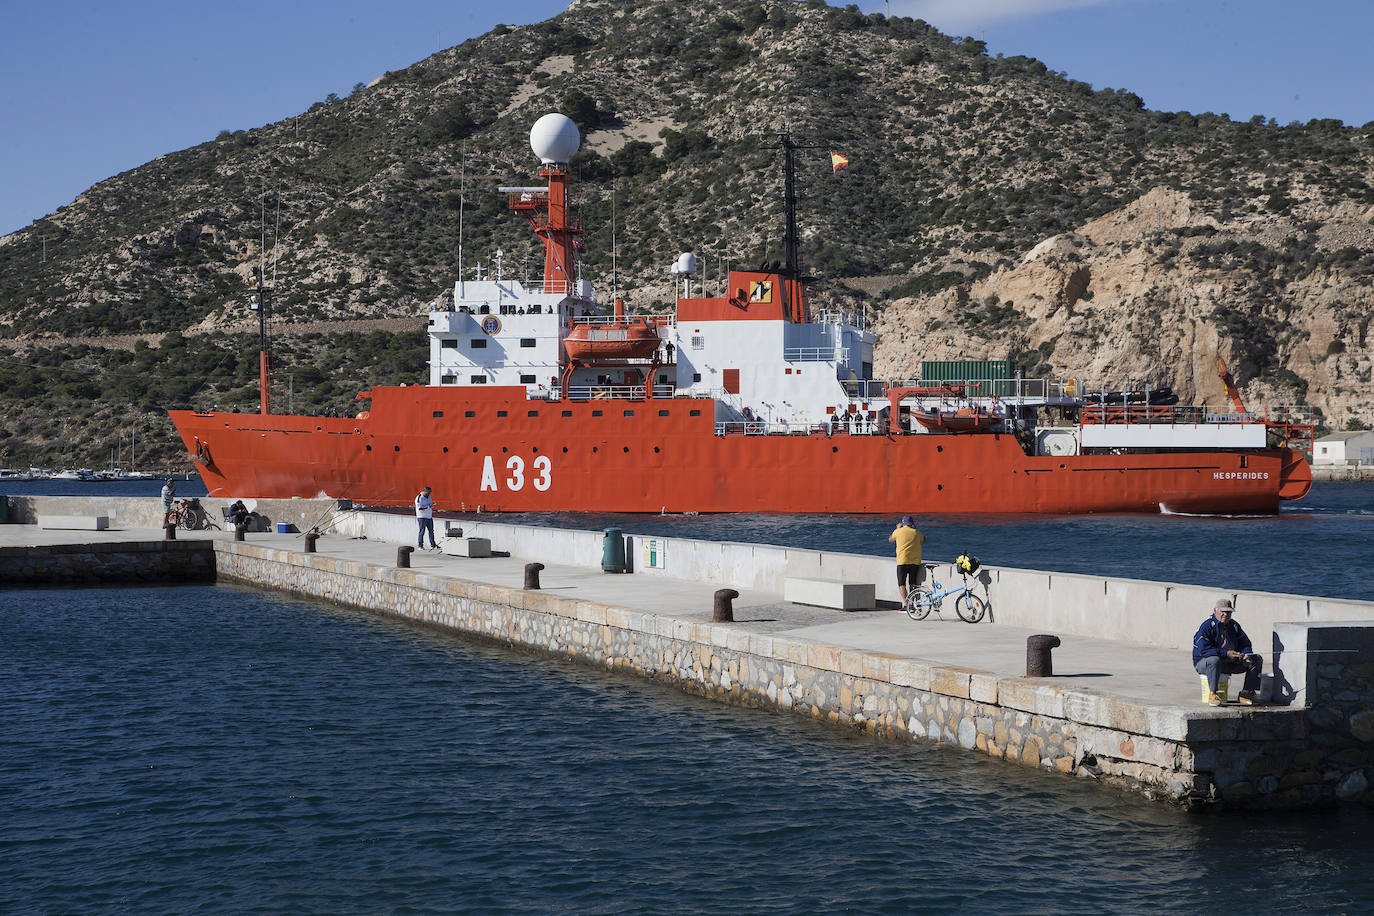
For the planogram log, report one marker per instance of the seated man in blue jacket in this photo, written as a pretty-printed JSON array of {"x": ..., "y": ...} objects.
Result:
[{"x": 1220, "y": 647}]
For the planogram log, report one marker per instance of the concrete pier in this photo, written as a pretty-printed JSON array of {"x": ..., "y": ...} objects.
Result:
[{"x": 1124, "y": 712}]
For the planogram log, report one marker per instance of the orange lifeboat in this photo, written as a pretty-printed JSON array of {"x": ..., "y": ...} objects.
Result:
[
  {"x": 963, "y": 420},
  {"x": 633, "y": 339}
]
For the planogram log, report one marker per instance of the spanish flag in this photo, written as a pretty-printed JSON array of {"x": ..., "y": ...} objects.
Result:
[{"x": 838, "y": 161}]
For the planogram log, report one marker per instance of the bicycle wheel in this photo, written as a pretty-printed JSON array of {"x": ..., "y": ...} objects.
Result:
[
  {"x": 970, "y": 607},
  {"x": 917, "y": 604}
]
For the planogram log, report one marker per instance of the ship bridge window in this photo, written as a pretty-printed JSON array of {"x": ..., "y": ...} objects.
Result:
[
  {"x": 527, "y": 341},
  {"x": 449, "y": 343},
  {"x": 527, "y": 379},
  {"x": 479, "y": 343},
  {"x": 479, "y": 379},
  {"x": 449, "y": 379}
]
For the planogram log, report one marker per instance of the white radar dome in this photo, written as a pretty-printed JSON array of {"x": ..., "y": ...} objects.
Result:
[
  {"x": 685, "y": 264},
  {"x": 554, "y": 138}
]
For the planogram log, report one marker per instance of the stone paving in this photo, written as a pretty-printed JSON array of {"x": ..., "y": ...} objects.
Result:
[{"x": 1138, "y": 673}]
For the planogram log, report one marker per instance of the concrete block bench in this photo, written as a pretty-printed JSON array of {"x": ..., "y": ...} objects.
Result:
[
  {"x": 466, "y": 547},
  {"x": 74, "y": 522},
  {"x": 845, "y": 596}
]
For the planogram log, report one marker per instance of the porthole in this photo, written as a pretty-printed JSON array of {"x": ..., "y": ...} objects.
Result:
[
  {"x": 939, "y": 448},
  {"x": 834, "y": 448},
  {"x": 445, "y": 449},
  {"x": 939, "y": 486},
  {"x": 565, "y": 450},
  {"x": 318, "y": 428},
  {"x": 395, "y": 448},
  {"x": 504, "y": 449},
  {"x": 535, "y": 450},
  {"x": 655, "y": 449},
  {"x": 474, "y": 449},
  {"x": 595, "y": 449},
  {"x": 626, "y": 449},
  {"x": 369, "y": 448}
]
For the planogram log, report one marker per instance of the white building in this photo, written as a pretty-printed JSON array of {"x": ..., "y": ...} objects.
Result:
[{"x": 1350, "y": 448}]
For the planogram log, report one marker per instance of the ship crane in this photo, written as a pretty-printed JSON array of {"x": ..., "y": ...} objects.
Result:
[{"x": 1224, "y": 372}]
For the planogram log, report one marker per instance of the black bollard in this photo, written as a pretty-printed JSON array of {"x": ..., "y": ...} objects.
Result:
[
  {"x": 403, "y": 557},
  {"x": 1038, "y": 655},
  {"x": 723, "y": 612},
  {"x": 310, "y": 538},
  {"x": 238, "y": 531},
  {"x": 169, "y": 532},
  {"x": 532, "y": 574}
]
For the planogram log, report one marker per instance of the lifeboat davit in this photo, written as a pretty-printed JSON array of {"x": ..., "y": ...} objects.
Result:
[
  {"x": 963, "y": 420},
  {"x": 633, "y": 339}
]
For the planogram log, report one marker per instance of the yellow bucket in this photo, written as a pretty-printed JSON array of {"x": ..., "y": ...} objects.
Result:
[{"x": 1223, "y": 681}]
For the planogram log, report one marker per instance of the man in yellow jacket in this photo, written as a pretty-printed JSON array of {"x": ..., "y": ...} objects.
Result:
[{"x": 909, "y": 542}]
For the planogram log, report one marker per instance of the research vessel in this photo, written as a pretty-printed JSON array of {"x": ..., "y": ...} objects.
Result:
[{"x": 540, "y": 398}]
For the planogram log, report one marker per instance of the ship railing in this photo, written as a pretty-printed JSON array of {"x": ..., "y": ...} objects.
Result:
[
  {"x": 1094, "y": 414},
  {"x": 657, "y": 321},
  {"x": 836, "y": 316},
  {"x": 556, "y": 287},
  {"x": 614, "y": 392},
  {"x": 809, "y": 354},
  {"x": 742, "y": 428}
]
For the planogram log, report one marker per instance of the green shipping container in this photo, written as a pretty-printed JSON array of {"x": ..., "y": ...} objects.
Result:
[
  {"x": 995, "y": 375},
  {"x": 949, "y": 370}
]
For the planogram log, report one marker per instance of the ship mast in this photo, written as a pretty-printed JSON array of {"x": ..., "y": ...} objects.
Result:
[
  {"x": 259, "y": 303},
  {"x": 791, "y": 244},
  {"x": 554, "y": 139}
]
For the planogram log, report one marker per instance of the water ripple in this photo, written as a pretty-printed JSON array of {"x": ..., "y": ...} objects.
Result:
[{"x": 215, "y": 748}]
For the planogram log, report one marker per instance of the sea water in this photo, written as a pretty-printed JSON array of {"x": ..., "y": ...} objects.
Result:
[
  {"x": 222, "y": 749},
  {"x": 1320, "y": 545}
]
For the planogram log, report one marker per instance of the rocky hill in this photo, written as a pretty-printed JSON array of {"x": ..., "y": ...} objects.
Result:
[{"x": 993, "y": 208}]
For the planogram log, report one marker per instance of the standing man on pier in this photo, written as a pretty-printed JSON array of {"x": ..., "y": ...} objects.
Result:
[
  {"x": 424, "y": 516},
  {"x": 909, "y": 542},
  {"x": 169, "y": 492},
  {"x": 1220, "y": 647}
]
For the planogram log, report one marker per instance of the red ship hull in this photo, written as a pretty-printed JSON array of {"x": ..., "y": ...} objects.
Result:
[{"x": 494, "y": 449}]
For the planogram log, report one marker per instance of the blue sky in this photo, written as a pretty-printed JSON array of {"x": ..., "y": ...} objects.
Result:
[{"x": 90, "y": 89}]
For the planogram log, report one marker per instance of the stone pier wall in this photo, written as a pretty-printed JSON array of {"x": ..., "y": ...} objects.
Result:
[
  {"x": 1185, "y": 756},
  {"x": 108, "y": 563}
]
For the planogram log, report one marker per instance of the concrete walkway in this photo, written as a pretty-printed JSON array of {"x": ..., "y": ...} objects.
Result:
[{"x": 1151, "y": 676}]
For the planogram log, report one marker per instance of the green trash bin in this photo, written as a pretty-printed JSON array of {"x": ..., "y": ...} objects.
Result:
[{"x": 613, "y": 551}]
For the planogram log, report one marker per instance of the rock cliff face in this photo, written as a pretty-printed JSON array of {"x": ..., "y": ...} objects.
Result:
[{"x": 1155, "y": 292}]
